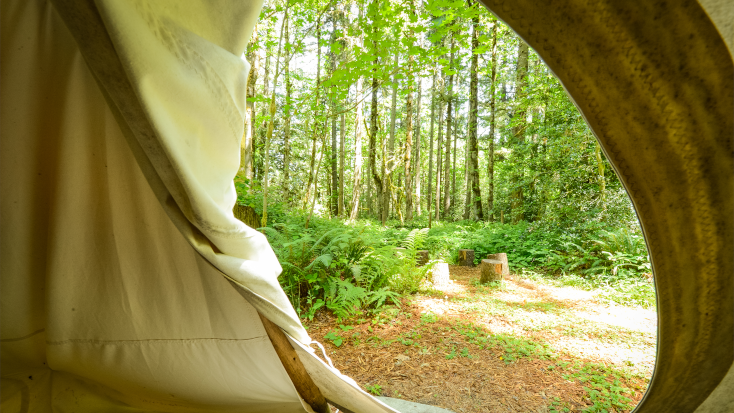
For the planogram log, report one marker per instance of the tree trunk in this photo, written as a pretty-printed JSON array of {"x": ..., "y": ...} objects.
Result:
[
  {"x": 417, "y": 143},
  {"x": 409, "y": 148},
  {"x": 389, "y": 178},
  {"x": 373, "y": 142},
  {"x": 473, "y": 124},
  {"x": 246, "y": 146},
  {"x": 439, "y": 148},
  {"x": 490, "y": 150},
  {"x": 449, "y": 114},
  {"x": 314, "y": 136},
  {"x": 430, "y": 147},
  {"x": 602, "y": 181},
  {"x": 358, "y": 130},
  {"x": 466, "y": 258},
  {"x": 271, "y": 124},
  {"x": 316, "y": 182},
  {"x": 287, "y": 122},
  {"x": 519, "y": 129},
  {"x": 467, "y": 178},
  {"x": 258, "y": 141},
  {"x": 333, "y": 165},
  {"x": 490, "y": 270},
  {"x": 357, "y": 173},
  {"x": 386, "y": 182},
  {"x": 502, "y": 257},
  {"x": 455, "y": 130},
  {"x": 342, "y": 144},
  {"x": 333, "y": 168},
  {"x": 409, "y": 126}
]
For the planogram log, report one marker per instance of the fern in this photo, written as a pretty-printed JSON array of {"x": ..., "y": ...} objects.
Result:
[
  {"x": 379, "y": 297},
  {"x": 345, "y": 299},
  {"x": 415, "y": 239},
  {"x": 324, "y": 259}
]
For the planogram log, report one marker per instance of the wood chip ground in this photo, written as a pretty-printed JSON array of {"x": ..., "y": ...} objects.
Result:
[{"x": 418, "y": 353}]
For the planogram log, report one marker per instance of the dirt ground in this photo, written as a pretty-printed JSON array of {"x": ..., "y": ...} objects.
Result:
[{"x": 522, "y": 346}]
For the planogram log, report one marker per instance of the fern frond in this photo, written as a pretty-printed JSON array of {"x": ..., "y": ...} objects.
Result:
[{"x": 324, "y": 259}]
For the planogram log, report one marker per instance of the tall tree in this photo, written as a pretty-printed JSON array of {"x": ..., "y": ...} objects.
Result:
[
  {"x": 473, "y": 186},
  {"x": 410, "y": 37},
  {"x": 430, "y": 145},
  {"x": 518, "y": 130},
  {"x": 357, "y": 171},
  {"x": 333, "y": 166},
  {"x": 312, "y": 174},
  {"x": 388, "y": 176},
  {"x": 439, "y": 147},
  {"x": 287, "y": 115},
  {"x": 358, "y": 129},
  {"x": 246, "y": 146},
  {"x": 492, "y": 111},
  {"x": 455, "y": 152},
  {"x": 271, "y": 123},
  {"x": 418, "y": 144},
  {"x": 258, "y": 144},
  {"x": 374, "y": 119},
  {"x": 449, "y": 115}
]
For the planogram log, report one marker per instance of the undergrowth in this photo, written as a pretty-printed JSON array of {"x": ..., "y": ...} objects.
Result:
[{"x": 350, "y": 267}]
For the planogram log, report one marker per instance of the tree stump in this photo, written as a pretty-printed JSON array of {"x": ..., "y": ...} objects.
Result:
[
  {"x": 247, "y": 215},
  {"x": 501, "y": 256},
  {"x": 491, "y": 270},
  {"x": 466, "y": 258},
  {"x": 439, "y": 275},
  {"x": 421, "y": 257}
]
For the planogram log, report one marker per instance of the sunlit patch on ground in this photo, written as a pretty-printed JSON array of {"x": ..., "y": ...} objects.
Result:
[{"x": 518, "y": 346}]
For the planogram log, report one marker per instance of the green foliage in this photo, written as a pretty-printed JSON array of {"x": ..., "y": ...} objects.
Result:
[
  {"x": 429, "y": 318},
  {"x": 602, "y": 384},
  {"x": 375, "y": 389},
  {"x": 334, "y": 338},
  {"x": 348, "y": 269},
  {"x": 345, "y": 269}
]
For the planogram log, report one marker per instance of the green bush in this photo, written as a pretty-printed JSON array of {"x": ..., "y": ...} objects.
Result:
[{"x": 348, "y": 268}]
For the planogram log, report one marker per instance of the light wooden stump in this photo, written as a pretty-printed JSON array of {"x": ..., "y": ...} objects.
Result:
[
  {"x": 491, "y": 270},
  {"x": 421, "y": 257},
  {"x": 501, "y": 256},
  {"x": 466, "y": 258},
  {"x": 440, "y": 275}
]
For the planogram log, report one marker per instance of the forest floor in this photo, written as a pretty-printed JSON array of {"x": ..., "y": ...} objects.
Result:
[{"x": 516, "y": 346}]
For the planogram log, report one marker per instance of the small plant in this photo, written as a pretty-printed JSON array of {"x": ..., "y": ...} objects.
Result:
[
  {"x": 375, "y": 389},
  {"x": 556, "y": 406},
  {"x": 335, "y": 338},
  {"x": 405, "y": 341},
  {"x": 429, "y": 318}
]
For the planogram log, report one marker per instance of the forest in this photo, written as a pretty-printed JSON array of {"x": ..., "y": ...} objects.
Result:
[
  {"x": 373, "y": 118},
  {"x": 422, "y": 125}
]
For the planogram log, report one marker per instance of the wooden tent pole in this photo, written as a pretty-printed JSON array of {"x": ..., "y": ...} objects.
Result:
[{"x": 305, "y": 386}]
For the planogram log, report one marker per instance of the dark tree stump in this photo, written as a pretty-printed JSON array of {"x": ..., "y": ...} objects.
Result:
[
  {"x": 501, "y": 256},
  {"x": 247, "y": 215},
  {"x": 491, "y": 270},
  {"x": 421, "y": 257},
  {"x": 466, "y": 258},
  {"x": 439, "y": 275}
]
